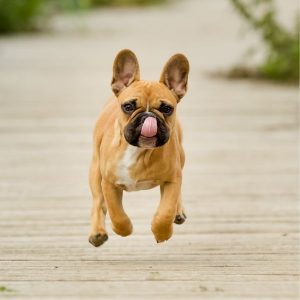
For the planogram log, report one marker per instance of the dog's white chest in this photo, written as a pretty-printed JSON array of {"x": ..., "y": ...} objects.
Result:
[
  {"x": 123, "y": 171},
  {"x": 128, "y": 160}
]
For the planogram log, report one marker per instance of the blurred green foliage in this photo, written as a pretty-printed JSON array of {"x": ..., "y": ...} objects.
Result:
[
  {"x": 17, "y": 15},
  {"x": 22, "y": 15},
  {"x": 282, "y": 46},
  {"x": 5, "y": 289},
  {"x": 124, "y": 2},
  {"x": 87, "y": 4}
]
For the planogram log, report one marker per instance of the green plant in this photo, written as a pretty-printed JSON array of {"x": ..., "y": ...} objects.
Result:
[
  {"x": 21, "y": 15},
  {"x": 125, "y": 2},
  {"x": 5, "y": 289},
  {"x": 87, "y": 4},
  {"x": 17, "y": 15},
  {"x": 282, "y": 46}
]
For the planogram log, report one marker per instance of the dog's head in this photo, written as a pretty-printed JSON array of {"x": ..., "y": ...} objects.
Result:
[{"x": 148, "y": 109}]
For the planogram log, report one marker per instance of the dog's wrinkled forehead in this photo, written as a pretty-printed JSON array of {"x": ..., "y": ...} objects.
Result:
[{"x": 148, "y": 94}]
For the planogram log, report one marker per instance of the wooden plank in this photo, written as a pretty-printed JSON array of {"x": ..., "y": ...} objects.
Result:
[
  {"x": 241, "y": 238},
  {"x": 151, "y": 289}
]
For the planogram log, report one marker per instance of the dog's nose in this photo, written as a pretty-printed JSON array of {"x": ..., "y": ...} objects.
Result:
[{"x": 150, "y": 114}]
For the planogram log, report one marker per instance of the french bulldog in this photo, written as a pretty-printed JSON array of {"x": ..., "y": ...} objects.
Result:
[{"x": 137, "y": 146}]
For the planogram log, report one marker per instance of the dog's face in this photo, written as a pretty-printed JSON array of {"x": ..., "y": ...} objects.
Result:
[{"x": 147, "y": 112}]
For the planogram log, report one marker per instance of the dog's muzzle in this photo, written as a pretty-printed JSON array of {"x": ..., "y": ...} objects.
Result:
[{"x": 146, "y": 130}]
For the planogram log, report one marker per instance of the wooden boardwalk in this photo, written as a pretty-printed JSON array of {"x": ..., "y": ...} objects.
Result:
[{"x": 240, "y": 189}]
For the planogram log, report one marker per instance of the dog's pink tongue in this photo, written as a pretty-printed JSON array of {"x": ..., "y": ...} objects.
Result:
[{"x": 149, "y": 128}]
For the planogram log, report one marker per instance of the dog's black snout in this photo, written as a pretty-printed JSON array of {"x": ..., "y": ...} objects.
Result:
[
  {"x": 132, "y": 131},
  {"x": 150, "y": 114},
  {"x": 145, "y": 115}
]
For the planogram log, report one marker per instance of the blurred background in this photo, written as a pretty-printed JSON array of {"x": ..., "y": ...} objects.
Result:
[
  {"x": 240, "y": 120},
  {"x": 281, "y": 42}
]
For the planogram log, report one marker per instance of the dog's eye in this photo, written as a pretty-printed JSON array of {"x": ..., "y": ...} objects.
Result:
[
  {"x": 166, "y": 109},
  {"x": 128, "y": 107}
]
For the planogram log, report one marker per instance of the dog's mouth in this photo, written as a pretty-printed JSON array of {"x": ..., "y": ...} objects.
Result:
[
  {"x": 146, "y": 130},
  {"x": 147, "y": 138},
  {"x": 146, "y": 142}
]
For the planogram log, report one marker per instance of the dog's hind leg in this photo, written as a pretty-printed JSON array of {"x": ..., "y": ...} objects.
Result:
[
  {"x": 98, "y": 233},
  {"x": 180, "y": 213}
]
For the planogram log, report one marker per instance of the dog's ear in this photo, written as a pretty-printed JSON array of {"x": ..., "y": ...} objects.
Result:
[
  {"x": 125, "y": 70},
  {"x": 175, "y": 75}
]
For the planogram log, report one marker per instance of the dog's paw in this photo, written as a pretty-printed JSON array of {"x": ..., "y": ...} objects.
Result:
[
  {"x": 122, "y": 227},
  {"x": 163, "y": 236},
  {"x": 162, "y": 232},
  {"x": 180, "y": 218},
  {"x": 98, "y": 239}
]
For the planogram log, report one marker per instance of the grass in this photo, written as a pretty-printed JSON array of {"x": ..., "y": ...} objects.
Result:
[
  {"x": 125, "y": 2},
  {"x": 281, "y": 61},
  {"x": 24, "y": 15},
  {"x": 5, "y": 289},
  {"x": 18, "y": 15}
]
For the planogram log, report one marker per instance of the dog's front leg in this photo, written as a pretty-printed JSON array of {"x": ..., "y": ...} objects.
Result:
[
  {"x": 162, "y": 224},
  {"x": 121, "y": 224}
]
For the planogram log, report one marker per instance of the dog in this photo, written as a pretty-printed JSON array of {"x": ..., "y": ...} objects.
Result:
[{"x": 137, "y": 146}]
